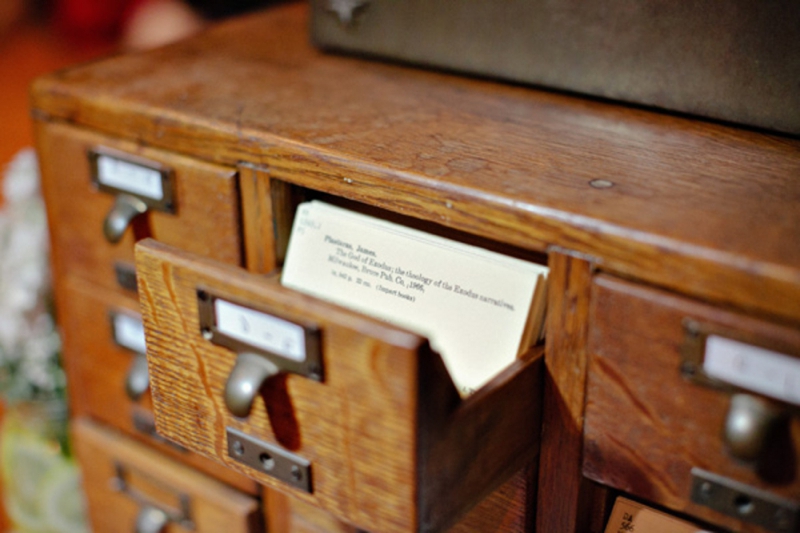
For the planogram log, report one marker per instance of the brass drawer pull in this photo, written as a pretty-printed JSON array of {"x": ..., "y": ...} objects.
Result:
[
  {"x": 749, "y": 423},
  {"x": 137, "y": 380},
  {"x": 151, "y": 520},
  {"x": 245, "y": 380},
  {"x": 266, "y": 344},
  {"x": 125, "y": 209},
  {"x": 138, "y": 184}
]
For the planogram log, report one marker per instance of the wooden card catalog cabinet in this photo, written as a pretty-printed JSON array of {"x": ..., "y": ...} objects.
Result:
[
  {"x": 659, "y": 233},
  {"x": 372, "y": 431}
]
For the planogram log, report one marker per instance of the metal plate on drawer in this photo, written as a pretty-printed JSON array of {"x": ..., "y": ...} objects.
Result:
[
  {"x": 744, "y": 502},
  {"x": 270, "y": 459},
  {"x": 126, "y": 275}
]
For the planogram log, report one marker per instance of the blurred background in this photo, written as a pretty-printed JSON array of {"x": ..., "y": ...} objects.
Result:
[
  {"x": 39, "y": 36},
  {"x": 40, "y": 484}
]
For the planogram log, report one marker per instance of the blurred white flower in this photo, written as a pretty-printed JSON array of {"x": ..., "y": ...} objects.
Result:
[
  {"x": 21, "y": 181},
  {"x": 29, "y": 343}
]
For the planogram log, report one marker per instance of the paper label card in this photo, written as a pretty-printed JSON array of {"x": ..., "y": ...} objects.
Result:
[
  {"x": 753, "y": 368},
  {"x": 632, "y": 517},
  {"x": 261, "y": 330},
  {"x": 471, "y": 303},
  {"x": 128, "y": 332},
  {"x": 130, "y": 177}
]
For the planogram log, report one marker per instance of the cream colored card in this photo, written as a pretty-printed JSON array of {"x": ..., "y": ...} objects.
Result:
[
  {"x": 472, "y": 304},
  {"x": 632, "y": 517}
]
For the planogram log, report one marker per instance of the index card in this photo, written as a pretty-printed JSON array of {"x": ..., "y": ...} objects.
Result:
[{"x": 471, "y": 303}]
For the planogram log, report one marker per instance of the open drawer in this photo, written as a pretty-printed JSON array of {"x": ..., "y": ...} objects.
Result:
[{"x": 369, "y": 426}]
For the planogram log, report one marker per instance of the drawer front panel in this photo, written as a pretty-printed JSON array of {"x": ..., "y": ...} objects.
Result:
[
  {"x": 650, "y": 416},
  {"x": 205, "y": 218},
  {"x": 123, "y": 480},
  {"x": 98, "y": 368},
  {"x": 385, "y": 434}
]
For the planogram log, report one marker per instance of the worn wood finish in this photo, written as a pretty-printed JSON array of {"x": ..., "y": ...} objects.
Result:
[
  {"x": 285, "y": 514},
  {"x": 564, "y": 496},
  {"x": 258, "y": 226},
  {"x": 646, "y": 426},
  {"x": 392, "y": 446},
  {"x": 213, "y": 506},
  {"x": 467, "y": 448},
  {"x": 694, "y": 206},
  {"x": 188, "y": 376},
  {"x": 207, "y": 197},
  {"x": 509, "y": 509},
  {"x": 97, "y": 368}
]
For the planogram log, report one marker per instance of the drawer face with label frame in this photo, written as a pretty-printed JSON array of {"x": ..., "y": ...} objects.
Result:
[
  {"x": 371, "y": 429},
  {"x": 103, "y": 329},
  {"x": 132, "y": 488},
  {"x": 674, "y": 414},
  {"x": 91, "y": 182}
]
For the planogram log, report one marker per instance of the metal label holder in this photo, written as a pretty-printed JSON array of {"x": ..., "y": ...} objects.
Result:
[
  {"x": 311, "y": 367},
  {"x": 693, "y": 352},
  {"x": 181, "y": 516},
  {"x": 167, "y": 202}
]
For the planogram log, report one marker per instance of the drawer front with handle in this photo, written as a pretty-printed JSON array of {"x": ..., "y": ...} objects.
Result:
[
  {"x": 103, "y": 194},
  {"x": 109, "y": 376},
  {"x": 131, "y": 488},
  {"x": 694, "y": 407},
  {"x": 346, "y": 412}
]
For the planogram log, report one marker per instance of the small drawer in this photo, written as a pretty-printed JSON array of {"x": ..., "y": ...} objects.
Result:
[
  {"x": 662, "y": 423},
  {"x": 104, "y": 371},
  {"x": 132, "y": 488},
  {"x": 201, "y": 211},
  {"x": 373, "y": 431}
]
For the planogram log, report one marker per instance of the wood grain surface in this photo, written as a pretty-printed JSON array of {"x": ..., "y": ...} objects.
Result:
[
  {"x": 691, "y": 207},
  {"x": 97, "y": 368},
  {"x": 647, "y": 426},
  {"x": 213, "y": 506},
  {"x": 206, "y": 222},
  {"x": 706, "y": 209},
  {"x": 509, "y": 509},
  {"x": 392, "y": 446},
  {"x": 285, "y": 514},
  {"x": 565, "y": 497}
]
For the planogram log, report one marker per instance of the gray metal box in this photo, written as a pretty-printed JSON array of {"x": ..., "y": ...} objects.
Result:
[{"x": 734, "y": 60}]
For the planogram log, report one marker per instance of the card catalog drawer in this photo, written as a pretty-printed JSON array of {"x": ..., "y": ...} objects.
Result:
[
  {"x": 363, "y": 422},
  {"x": 132, "y": 488},
  {"x": 105, "y": 371},
  {"x": 198, "y": 207},
  {"x": 664, "y": 424}
]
